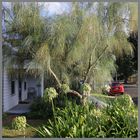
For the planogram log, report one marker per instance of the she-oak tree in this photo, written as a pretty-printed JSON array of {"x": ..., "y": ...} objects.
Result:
[{"x": 81, "y": 44}]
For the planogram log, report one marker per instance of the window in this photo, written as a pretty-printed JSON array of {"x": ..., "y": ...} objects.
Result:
[
  {"x": 115, "y": 84},
  {"x": 24, "y": 85},
  {"x": 12, "y": 87}
]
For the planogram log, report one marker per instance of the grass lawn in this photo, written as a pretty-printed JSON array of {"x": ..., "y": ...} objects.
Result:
[
  {"x": 8, "y": 132},
  {"x": 103, "y": 97},
  {"x": 108, "y": 99}
]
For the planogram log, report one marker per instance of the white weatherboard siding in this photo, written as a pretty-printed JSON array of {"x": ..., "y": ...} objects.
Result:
[{"x": 9, "y": 100}]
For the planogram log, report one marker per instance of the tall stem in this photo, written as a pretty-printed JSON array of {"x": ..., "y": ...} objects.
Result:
[
  {"x": 56, "y": 78},
  {"x": 53, "y": 112},
  {"x": 55, "y": 118}
]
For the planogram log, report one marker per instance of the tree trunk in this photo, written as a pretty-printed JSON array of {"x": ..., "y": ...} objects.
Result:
[
  {"x": 88, "y": 69},
  {"x": 94, "y": 64},
  {"x": 56, "y": 78},
  {"x": 74, "y": 93}
]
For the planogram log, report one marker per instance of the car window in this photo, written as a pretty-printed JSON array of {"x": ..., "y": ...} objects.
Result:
[{"x": 115, "y": 84}]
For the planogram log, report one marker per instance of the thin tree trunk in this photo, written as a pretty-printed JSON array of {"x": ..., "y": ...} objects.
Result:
[
  {"x": 75, "y": 93},
  {"x": 56, "y": 78},
  {"x": 94, "y": 64},
  {"x": 89, "y": 66},
  {"x": 90, "y": 61}
]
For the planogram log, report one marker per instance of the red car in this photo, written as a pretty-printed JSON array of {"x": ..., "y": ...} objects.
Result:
[{"x": 116, "y": 88}]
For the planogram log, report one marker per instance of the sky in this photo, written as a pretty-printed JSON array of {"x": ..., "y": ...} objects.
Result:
[
  {"x": 50, "y": 8},
  {"x": 54, "y": 7}
]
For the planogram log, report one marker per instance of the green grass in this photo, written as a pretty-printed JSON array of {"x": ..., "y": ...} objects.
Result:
[
  {"x": 103, "y": 97},
  {"x": 7, "y": 132}
]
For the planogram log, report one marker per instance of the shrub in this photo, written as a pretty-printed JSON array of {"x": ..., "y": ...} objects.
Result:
[
  {"x": 124, "y": 100},
  {"x": 19, "y": 123},
  {"x": 4, "y": 116},
  {"x": 42, "y": 106},
  {"x": 40, "y": 109},
  {"x": 123, "y": 120}
]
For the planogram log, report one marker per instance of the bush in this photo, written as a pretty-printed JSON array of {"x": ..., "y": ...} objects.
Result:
[
  {"x": 42, "y": 106},
  {"x": 40, "y": 109},
  {"x": 4, "y": 116},
  {"x": 123, "y": 120},
  {"x": 19, "y": 123},
  {"x": 124, "y": 100}
]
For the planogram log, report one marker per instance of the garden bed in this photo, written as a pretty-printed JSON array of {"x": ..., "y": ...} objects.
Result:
[{"x": 8, "y": 132}]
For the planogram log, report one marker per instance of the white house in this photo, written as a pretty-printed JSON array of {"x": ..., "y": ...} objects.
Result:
[{"x": 15, "y": 90}]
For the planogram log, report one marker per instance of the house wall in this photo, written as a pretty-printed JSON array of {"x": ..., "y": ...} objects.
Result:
[
  {"x": 33, "y": 82},
  {"x": 9, "y": 100}
]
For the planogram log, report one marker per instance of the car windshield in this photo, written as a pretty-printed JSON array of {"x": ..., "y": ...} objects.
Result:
[{"x": 115, "y": 84}]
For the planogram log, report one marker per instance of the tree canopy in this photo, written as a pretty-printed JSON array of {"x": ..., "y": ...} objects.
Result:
[{"x": 82, "y": 44}]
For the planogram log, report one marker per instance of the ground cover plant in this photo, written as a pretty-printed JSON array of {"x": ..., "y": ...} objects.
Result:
[{"x": 118, "y": 119}]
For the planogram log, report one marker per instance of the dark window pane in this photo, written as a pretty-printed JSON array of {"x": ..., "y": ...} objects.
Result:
[
  {"x": 12, "y": 87},
  {"x": 115, "y": 84},
  {"x": 24, "y": 85}
]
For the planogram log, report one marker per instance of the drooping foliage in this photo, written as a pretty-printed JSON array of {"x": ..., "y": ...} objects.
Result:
[
  {"x": 23, "y": 36},
  {"x": 81, "y": 44}
]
